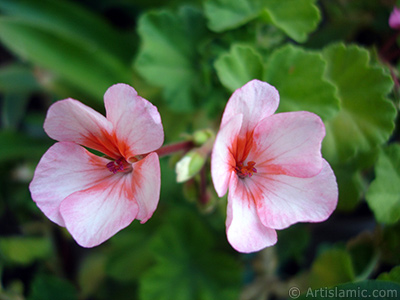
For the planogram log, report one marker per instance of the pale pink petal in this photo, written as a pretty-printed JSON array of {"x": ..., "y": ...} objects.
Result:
[
  {"x": 394, "y": 19},
  {"x": 222, "y": 158},
  {"x": 244, "y": 230},
  {"x": 146, "y": 182},
  {"x": 64, "y": 169},
  {"x": 284, "y": 200},
  {"x": 71, "y": 121},
  {"x": 255, "y": 100},
  {"x": 136, "y": 121},
  {"x": 94, "y": 215},
  {"x": 288, "y": 143}
]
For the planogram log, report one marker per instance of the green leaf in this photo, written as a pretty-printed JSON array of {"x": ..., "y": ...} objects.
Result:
[
  {"x": 225, "y": 15},
  {"x": 239, "y": 66},
  {"x": 129, "y": 256},
  {"x": 46, "y": 287},
  {"x": 71, "y": 22},
  {"x": 351, "y": 187},
  {"x": 297, "y": 18},
  {"x": 390, "y": 244},
  {"x": 298, "y": 76},
  {"x": 383, "y": 195},
  {"x": 188, "y": 265},
  {"x": 16, "y": 145},
  {"x": 293, "y": 242},
  {"x": 364, "y": 255},
  {"x": 351, "y": 180},
  {"x": 13, "y": 109},
  {"x": 88, "y": 68},
  {"x": 91, "y": 274},
  {"x": 168, "y": 58},
  {"x": 331, "y": 267},
  {"x": 19, "y": 79},
  {"x": 24, "y": 250},
  {"x": 17, "y": 83},
  {"x": 368, "y": 289},
  {"x": 366, "y": 118},
  {"x": 393, "y": 275}
]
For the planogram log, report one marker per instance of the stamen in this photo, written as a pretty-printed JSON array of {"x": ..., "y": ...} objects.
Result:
[
  {"x": 116, "y": 166},
  {"x": 243, "y": 171}
]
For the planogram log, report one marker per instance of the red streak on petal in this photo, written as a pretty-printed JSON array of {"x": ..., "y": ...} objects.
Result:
[
  {"x": 124, "y": 149},
  {"x": 275, "y": 169},
  {"x": 105, "y": 144},
  {"x": 109, "y": 145},
  {"x": 243, "y": 146},
  {"x": 120, "y": 187}
]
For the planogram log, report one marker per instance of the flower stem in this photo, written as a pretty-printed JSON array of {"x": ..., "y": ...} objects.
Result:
[
  {"x": 176, "y": 147},
  {"x": 204, "y": 197}
]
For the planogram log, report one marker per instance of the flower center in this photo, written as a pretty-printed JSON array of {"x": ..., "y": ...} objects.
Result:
[
  {"x": 243, "y": 171},
  {"x": 119, "y": 165}
]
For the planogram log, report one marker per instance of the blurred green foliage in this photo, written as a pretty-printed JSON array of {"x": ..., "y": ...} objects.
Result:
[{"x": 338, "y": 59}]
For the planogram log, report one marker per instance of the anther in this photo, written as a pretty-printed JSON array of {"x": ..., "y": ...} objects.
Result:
[
  {"x": 245, "y": 171},
  {"x": 116, "y": 166}
]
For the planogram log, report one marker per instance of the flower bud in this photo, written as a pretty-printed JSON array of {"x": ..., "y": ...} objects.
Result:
[
  {"x": 200, "y": 137},
  {"x": 189, "y": 165}
]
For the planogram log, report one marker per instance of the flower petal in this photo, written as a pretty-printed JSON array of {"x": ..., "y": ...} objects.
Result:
[
  {"x": 136, "y": 121},
  {"x": 244, "y": 229},
  {"x": 255, "y": 100},
  {"x": 94, "y": 215},
  {"x": 64, "y": 169},
  {"x": 284, "y": 200},
  {"x": 146, "y": 183},
  {"x": 222, "y": 159},
  {"x": 394, "y": 19},
  {"x": 288, "y": 143},
  {"x": 71, "y": 121}
]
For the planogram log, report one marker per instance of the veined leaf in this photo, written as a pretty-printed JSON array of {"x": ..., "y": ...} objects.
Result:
[
  {"x": 188, "y": 265},
  {"x": 366, "y": 118},
  {"x": 298, "y": 76},
  {"x": 297, "y": 18},
  {"x": 239, "y": 66},
  {"x": 129, "y": 256},
  {"x": 331, "y": 267},
  {"x": 383, "y": 195},
  {"x": 46, "y": 287},
  {"x": 168, "y": 54}
]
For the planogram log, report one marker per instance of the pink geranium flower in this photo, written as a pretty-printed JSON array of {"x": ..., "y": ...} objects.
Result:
[
  {"x": 394, "y": 19},
  {"x": 96, "y": 196},
  {"x": 273, "y": 167}
]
